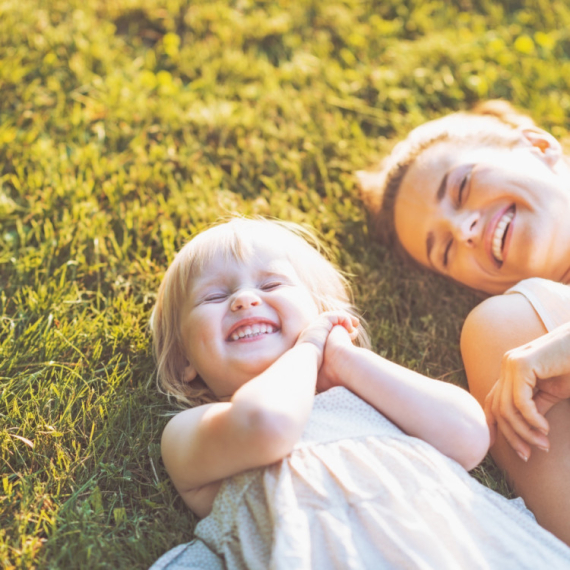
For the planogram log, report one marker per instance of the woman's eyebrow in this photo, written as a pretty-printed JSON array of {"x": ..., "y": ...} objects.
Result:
[
  {"x": 439, "y": 197},
  {"x": 429, "y": 245}
]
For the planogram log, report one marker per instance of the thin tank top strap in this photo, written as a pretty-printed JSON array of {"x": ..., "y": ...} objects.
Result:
[{"x": 549, "y": 299}]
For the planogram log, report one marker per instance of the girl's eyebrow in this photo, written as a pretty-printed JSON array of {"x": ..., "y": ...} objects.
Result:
[
  {"x": 272, "y": 273},
  {"x": 201, "y": 285}
]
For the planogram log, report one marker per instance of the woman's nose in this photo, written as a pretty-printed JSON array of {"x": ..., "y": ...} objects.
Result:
[
  {"x": 467, "y": 229},
  {"x": 244, "y": 299}
]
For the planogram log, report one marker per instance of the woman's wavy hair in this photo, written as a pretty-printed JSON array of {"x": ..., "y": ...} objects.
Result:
[
  {"x": 493, "y": 123},
  {"x": 235, "y": 239}
]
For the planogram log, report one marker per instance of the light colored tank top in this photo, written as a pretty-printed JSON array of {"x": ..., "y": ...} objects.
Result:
[{"x": 550, "y": 300}]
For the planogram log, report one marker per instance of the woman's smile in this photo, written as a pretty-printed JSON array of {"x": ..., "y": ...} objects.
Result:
[
  {"x": 484, "y": 216},
  {"x": 499, "y": 233}
]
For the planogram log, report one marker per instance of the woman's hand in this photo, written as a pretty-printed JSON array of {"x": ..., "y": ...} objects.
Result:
[
  {"x": 318, "y": 332},
  {"x": 533, "y": 378}
]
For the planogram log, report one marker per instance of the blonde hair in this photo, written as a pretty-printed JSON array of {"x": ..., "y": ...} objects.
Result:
[
  {"x": 235, "y": 239},
  {"x": 492, "y": 123}
]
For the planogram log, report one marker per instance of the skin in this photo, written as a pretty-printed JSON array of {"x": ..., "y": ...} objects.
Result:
[
  {"x": 531, "y": 177},
  {"x": 534, "y": 378},
  {"x": 263, "y": 290},
  {"x": 492, "y": 330},
  {"x": 268, "y": 385},
  {"x": 513, "y": 367}
]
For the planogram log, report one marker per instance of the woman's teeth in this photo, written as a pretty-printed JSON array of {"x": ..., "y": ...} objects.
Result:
[
  {"x": 499, "y": 235},
  {"x": 252, "y": 330}
]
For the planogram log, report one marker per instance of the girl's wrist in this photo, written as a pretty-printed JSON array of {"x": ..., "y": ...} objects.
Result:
[
  {"x": 343, "y": 365},
  {"x": 309, "y": 346}
]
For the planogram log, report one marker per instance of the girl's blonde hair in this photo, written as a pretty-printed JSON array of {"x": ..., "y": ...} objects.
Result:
[
  {"x": 235, "y": 239},
  {"x": 492, "y": 123}
]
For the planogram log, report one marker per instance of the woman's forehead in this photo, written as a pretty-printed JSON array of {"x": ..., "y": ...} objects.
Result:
[{"x": 433, "y": 163}]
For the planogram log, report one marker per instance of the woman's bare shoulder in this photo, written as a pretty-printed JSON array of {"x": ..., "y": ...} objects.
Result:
[
  {"x": 511, "y": 315},
  {"x": 492, "y": 328}
]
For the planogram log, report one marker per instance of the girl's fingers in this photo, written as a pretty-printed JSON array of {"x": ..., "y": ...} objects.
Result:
[{"x": 346, "y": 320}]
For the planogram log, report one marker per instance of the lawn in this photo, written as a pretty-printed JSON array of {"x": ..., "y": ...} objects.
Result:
[{"x": 128, "y": 126}]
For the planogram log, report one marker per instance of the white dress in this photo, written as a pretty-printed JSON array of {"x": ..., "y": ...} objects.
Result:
[{"x": 358, "y": 493}]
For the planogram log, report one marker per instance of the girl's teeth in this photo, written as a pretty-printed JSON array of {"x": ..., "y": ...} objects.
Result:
[
  {"x": 497, "y": 245},
  {"x": 253, "y": 330}
]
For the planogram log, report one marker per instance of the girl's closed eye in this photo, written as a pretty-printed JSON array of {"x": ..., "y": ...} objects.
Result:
[
  {"x": 216, "y": 297},
  {"x": 270, "y": 285}
]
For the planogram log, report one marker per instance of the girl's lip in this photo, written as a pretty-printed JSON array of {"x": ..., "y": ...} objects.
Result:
[
  {"x": 490, "y": 232},
  {"x": 249, "y": 321}
]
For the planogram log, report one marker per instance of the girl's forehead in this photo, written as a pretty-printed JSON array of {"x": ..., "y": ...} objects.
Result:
[{"x": 257, "y": 258}]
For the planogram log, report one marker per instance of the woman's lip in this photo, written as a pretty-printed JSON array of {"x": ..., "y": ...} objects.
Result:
[
  {"x": 490, "y": 232},
  {"x": 508, "y": 235}
]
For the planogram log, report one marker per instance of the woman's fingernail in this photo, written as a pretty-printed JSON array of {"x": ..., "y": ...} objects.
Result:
[
  {"x": 522, "y": 456},
  {"x": 542, "y": 448}
]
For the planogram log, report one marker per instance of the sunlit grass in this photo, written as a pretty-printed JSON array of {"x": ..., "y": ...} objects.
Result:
[{"x": 126, "y": 127}]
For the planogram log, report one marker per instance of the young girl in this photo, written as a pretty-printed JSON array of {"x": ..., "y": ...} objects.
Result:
[{"x": 369, "y": 473}]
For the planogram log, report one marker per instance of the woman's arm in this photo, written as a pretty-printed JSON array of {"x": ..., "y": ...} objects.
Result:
[
  {"x": 442, "y": 414},
  {"x": 532, "y": 377},
  {"x": 496, "y": 326},
  {"x": 259, "y": 425}
]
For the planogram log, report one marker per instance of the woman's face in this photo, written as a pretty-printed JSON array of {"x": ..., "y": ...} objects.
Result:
[{"x": 487, "y": 216}]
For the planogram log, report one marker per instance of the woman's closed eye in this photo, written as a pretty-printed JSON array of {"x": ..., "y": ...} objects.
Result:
[
  {"x": 445, "y": 259},
  {"x": 464, "y": 187}
]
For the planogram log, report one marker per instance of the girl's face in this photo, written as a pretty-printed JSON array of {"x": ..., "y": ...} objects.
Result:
[
  {"x": 241, "y": 316},
  {"x": 487, "y": 217}
]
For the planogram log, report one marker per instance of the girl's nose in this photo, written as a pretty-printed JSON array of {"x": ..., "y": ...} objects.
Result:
[
  {"x": 467, "y": 228},
  {"x": 244, "y": 299}
]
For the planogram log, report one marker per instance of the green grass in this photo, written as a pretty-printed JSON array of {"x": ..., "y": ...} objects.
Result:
[{"x": 127, "y": 126}]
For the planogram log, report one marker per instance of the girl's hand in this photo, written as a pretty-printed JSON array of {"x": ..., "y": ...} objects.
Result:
[
  {"x": 318, "y": 332},
  {"x": 338, "y": 343},
  {"x": 533, "y": 378}
]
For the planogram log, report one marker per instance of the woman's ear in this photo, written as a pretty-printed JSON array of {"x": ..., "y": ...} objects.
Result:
[
  {"x": 549, "y": 148},
  {"x": 189, "y": 373}
]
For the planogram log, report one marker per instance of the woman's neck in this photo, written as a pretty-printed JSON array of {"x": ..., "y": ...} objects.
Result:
[{"x": 566, "y": 277}]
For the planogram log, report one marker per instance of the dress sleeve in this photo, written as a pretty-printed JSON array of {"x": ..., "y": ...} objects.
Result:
[{"x": 550, "y": 300}]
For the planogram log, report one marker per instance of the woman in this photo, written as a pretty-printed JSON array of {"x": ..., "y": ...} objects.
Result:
[{"x": 484, "y": 199}]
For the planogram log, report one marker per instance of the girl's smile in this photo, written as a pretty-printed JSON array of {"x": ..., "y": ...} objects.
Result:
[
  {"x": 252, "y": 329},
  {"x": 240, "y": 316}
]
